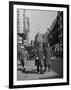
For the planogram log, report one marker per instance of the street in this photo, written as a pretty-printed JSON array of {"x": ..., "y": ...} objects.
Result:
[
  {"x": 31, "y": 74},
  {"x": 40, "y": 37}
]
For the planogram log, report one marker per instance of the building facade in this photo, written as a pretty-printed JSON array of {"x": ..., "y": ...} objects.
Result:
[
  {"x": 22, "y": 25},
  {"x": 60, "y": 31},
  {"x": 56, "y": 34},
  {"x": 56, "y": 42}
]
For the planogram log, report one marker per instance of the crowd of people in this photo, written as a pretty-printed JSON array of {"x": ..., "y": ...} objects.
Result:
[{"x": 42, "y": 57}]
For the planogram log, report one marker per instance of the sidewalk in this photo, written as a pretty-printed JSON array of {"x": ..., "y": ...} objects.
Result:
[{"x": 30, "y": 73}]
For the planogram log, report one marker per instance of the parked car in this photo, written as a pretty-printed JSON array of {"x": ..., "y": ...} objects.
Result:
[{"x": 31, "y": 52}]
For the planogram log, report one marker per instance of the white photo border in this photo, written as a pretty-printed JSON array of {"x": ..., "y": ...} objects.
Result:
[{"x": 48, "y": 81}]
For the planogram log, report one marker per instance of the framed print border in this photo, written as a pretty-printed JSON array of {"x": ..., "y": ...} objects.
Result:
[{"x": 11, "y": 46}]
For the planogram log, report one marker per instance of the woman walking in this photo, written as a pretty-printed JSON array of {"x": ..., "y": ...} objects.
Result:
[{"x": 24, "y": 57}]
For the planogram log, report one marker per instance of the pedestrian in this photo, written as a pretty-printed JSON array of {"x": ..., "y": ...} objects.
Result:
[
  {"x": 37, "y": 60},
  {"x": 19, "y": 51},
  {"x": 47, "y": 60},
  {"x": 40, "y": 55},
  {"x": 24, "y": 57}
]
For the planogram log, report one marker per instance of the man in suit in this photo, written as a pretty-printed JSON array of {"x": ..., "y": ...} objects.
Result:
[
  {"x": 41, "y": 55},
  {"x": 37, "y": 60},
  {"x": 47, "y": 52}
]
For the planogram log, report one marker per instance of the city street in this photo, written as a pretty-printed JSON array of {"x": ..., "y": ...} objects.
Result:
[
  {"x": 31, "y": 74},
  {"x": 40, "y": 36}
]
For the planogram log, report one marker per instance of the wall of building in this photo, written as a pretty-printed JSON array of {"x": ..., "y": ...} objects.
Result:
[
  {"x": 56, "y": 42},
  {"x": 20, "y": 20},
  {"x": 56, "y": 34},
  {"x": 22, "y": 25}
]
